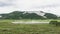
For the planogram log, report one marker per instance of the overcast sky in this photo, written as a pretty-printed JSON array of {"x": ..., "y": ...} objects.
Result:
[{"x": 51, "y": 6}]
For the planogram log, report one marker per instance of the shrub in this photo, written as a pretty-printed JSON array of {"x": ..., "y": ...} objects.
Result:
[{"x": 56, "y": 23}]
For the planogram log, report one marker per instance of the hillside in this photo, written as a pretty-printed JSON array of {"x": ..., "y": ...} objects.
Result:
[{"x": 27, "y": 15}]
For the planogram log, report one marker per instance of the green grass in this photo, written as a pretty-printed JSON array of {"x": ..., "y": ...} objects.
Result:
[{"x": 6, "y": 27}]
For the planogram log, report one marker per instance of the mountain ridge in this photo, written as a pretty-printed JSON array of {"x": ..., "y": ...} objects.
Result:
[{"x": 28, "y": 15}]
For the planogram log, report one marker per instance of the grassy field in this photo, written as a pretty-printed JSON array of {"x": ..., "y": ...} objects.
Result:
[{"x": 6, "y": 27}]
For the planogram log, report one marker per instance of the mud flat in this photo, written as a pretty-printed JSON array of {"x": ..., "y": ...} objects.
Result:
[{"x": 28, "y": 22}]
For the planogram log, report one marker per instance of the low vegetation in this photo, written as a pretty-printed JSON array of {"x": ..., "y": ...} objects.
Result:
[
  {"x": 6, "y": 27},
  {"x": 56, "y": 23}
]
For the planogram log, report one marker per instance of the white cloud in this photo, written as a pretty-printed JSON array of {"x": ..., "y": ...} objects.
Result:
[{"x": 52, "y": 6}]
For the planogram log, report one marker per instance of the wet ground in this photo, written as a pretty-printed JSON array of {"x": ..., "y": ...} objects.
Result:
[{"x": 28, "y": 22}]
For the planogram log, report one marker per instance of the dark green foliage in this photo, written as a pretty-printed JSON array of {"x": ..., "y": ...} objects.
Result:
[
  {"x": 53, "y": 22},
  {"x": 16, "y": 15},
  {"x": 13, "y": 15},
  {"x": 4, "y": 16},
  {"x": 23, "y": 15},
  {"x": 50, "y": 16},
  {"x": 32, "y": 16},
  {"x": 20, "y": 15},
  {"x": 56, "y": 23}
]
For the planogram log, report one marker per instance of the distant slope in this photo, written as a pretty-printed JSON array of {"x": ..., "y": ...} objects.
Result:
[{"x": 27, "y": 15}]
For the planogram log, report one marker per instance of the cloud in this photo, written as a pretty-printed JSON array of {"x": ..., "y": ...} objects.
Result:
[
  {"x": 47, "y": 6},
  {"x": 36, "y": 4},
  {"x": 6, "y": 6},
  {"x": 52, "y": 6},
  {"x": 4, "y": 3}
]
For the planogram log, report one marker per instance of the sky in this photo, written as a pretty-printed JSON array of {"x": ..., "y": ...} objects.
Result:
[{"x": 50, "y": 6}]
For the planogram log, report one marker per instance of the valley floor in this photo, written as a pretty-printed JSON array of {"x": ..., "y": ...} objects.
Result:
[{"x": 6, "y": 27}]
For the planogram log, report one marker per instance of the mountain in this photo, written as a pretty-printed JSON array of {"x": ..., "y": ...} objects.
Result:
[{"x": 28, "y": 15}]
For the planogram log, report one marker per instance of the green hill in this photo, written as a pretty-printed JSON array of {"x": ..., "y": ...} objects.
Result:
[{"x": 23, "y": 15}]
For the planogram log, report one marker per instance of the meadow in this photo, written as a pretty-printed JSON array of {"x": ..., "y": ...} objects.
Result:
[{"x": 6, "y": 27}]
